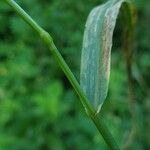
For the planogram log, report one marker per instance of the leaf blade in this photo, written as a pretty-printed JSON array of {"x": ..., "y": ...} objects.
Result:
[{"x": 96, "y": 51}]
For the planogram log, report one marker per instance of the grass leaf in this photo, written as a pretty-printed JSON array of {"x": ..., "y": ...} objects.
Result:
[{"x": 96, "y": 50}]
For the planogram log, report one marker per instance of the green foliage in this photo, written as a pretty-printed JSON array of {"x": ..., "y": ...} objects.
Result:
[{"x": 38, "y": 109}]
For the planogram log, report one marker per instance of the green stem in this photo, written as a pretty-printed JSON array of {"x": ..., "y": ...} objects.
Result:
[{"x": 47, "y": 39}]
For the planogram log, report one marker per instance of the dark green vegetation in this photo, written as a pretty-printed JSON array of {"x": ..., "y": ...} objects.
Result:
[{"x": 38, "y": 108}]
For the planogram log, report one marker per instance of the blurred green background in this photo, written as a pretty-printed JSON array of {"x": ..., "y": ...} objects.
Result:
[{"x": 38, "y": 108}]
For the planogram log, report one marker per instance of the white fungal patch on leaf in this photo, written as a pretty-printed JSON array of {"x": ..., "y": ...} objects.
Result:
[{"x": 107, "y": 35}]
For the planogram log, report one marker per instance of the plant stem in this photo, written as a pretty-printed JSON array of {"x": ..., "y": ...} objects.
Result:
[{"x": 47, "y": 39}]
